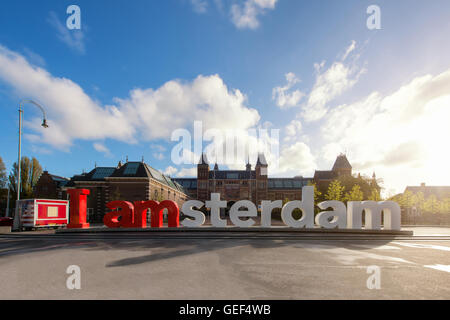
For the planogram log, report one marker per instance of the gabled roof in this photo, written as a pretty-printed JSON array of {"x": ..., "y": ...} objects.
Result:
[
  {"x": 261, "y": 160},
  {"x": 341, "y": 163},
  {"x": 325, "y": 175},
  {"x": 131, "y": 170},
  {"x": 440, "y": 192},
  {"x": 128, "y": 170},
  {"x": 96, "y": 174},
  {"x": 187, "y": 183}
]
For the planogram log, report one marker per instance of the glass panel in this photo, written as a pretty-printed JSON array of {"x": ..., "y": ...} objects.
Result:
[{"x": 131, "y": 168}]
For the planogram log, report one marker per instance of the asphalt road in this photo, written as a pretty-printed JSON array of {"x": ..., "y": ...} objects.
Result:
[{"x": 133, "y": 268}]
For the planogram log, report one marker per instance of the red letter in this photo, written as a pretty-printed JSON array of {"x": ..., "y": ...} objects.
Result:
[
  {"x": 156, "y": 211},
  {"x": 140, "y": 213},
  {"x": 174, "y": 213},
  {"x": 111, "y": 219},
  {"x": 78, "y": 204}
]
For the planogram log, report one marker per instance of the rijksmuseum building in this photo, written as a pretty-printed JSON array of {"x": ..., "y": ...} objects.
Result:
[{"x": 137, "y": 181}]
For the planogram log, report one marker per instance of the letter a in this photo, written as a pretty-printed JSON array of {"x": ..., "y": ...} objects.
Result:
[
  {"x": 374, "y": 21},
  {"x": 74, "y": 21}
]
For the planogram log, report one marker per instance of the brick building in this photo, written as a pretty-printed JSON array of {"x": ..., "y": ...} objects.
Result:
[
  {"x": 50, "y": 186},
  {"x": 132, "y": 181},
  {"x": 248, "y": 184},
  {"x": 255, "y": 185},
  {"x": 341, "y": 167}
]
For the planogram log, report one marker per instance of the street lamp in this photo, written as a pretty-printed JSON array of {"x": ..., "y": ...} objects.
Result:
[{"x": 44, "y": 124}]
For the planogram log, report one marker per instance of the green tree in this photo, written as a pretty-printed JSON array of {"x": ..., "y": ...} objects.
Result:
[
  {"x": 3, "y": 176},
  {"x": 375, "y": 195},
  {"x": 31, "y": 170},
  {"x": 317, "y": 193},
  {"x": 355, "y": 194},
  {"x": 418, "y": 200},
  {"x": 431, "y": 204},
  {"x": 335, "y": 191},
  {"x": 408, "y": 199}
]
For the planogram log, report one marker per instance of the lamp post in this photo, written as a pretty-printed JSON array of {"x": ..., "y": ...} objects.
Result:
[{"x": 44, "y": 124}]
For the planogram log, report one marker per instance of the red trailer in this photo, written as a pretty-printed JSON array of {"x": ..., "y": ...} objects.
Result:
[{"x": 34, "y": 213}]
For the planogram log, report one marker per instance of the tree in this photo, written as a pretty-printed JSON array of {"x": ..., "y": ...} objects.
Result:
[
  {"x": 366, "y": 184},
  {"x": 431, "y": 204},
  {"x": 355, "y": 194},
  {"x": 317, "y": 193},
  {"x": 375, "y": 195},
  {"x": 335, "y": 191},
  {"x": 3, "y": 176},
  {"x": 418, "y": 200},
  {"x": 31, "y": 170}
]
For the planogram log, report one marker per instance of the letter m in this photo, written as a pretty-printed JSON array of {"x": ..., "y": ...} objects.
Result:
[{"x": 373, "y": 210}]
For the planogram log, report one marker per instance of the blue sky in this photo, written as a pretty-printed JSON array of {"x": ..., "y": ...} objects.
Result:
[{"x": 131, "y": 59}]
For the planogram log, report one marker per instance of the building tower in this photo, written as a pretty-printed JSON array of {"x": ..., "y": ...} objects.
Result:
[
  {"x": 342, "y": 166},
  {"x": 202, "y": 178},
  {"x": 261, "y": 178},
  {"x": 248, "y": 166}
]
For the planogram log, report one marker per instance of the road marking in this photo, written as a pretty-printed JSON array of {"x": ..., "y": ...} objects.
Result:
[
  {"x": 351, "y": 256},
  {"x": 422, "y": 246},
  {"x": 376, "y": 247},
  {"x": 441, "y": 267}
]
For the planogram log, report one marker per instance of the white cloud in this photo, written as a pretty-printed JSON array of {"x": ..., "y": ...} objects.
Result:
[
  {"x": 147, "y": 114},
  {"x": 157, "y": 147},
  {"x": 296, "y": 159},
  {"x": 246, "y": 16},
  {"x": 180, "y": 173},
  {"x": 199, "y": 6},
  {"x": 350, "y": 49},
  {"x": 285, "y": 99},
  {"x": 158, "y": 155},
  {"x": 292, "y": 130},
  {"x": 102, "y": 148},
  {"x": 74, "y": 39},
  {"x": 170, "y": 171},
  {"x": 330, "y": 84},
  {"x": 187, "y": 172},
  {"x": 402, "y": 136}
]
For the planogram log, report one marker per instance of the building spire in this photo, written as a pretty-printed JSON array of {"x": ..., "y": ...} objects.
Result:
[{"x": 248, "y": 166}]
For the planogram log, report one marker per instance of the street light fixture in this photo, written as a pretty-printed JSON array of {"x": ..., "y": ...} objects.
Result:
[{"x": 44, "y": 124}]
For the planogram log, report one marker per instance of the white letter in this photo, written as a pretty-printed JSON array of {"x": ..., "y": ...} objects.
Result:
[
  {"x": 236, "y": 214},
  {"x": 182, "y": 153},
  {"x": 215, "y": 204},
  {"x": 374, "y": 21},
  {"x": 338, "y": 214},
  {"x": 198, "y": 138},
  {"x": 74, "y": 21},
  {"x": 199, "y": 217},
  {"x": 266, "y": 211},
  {"x": 391, "y": 213},
  {"x": 73, "y": 281},
  {"x": 374, "y": 281},
  {"x": 306, "y": 206}
]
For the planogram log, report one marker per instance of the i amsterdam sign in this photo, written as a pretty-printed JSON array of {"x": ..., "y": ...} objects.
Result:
[{"x": 125, "y": 214}]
